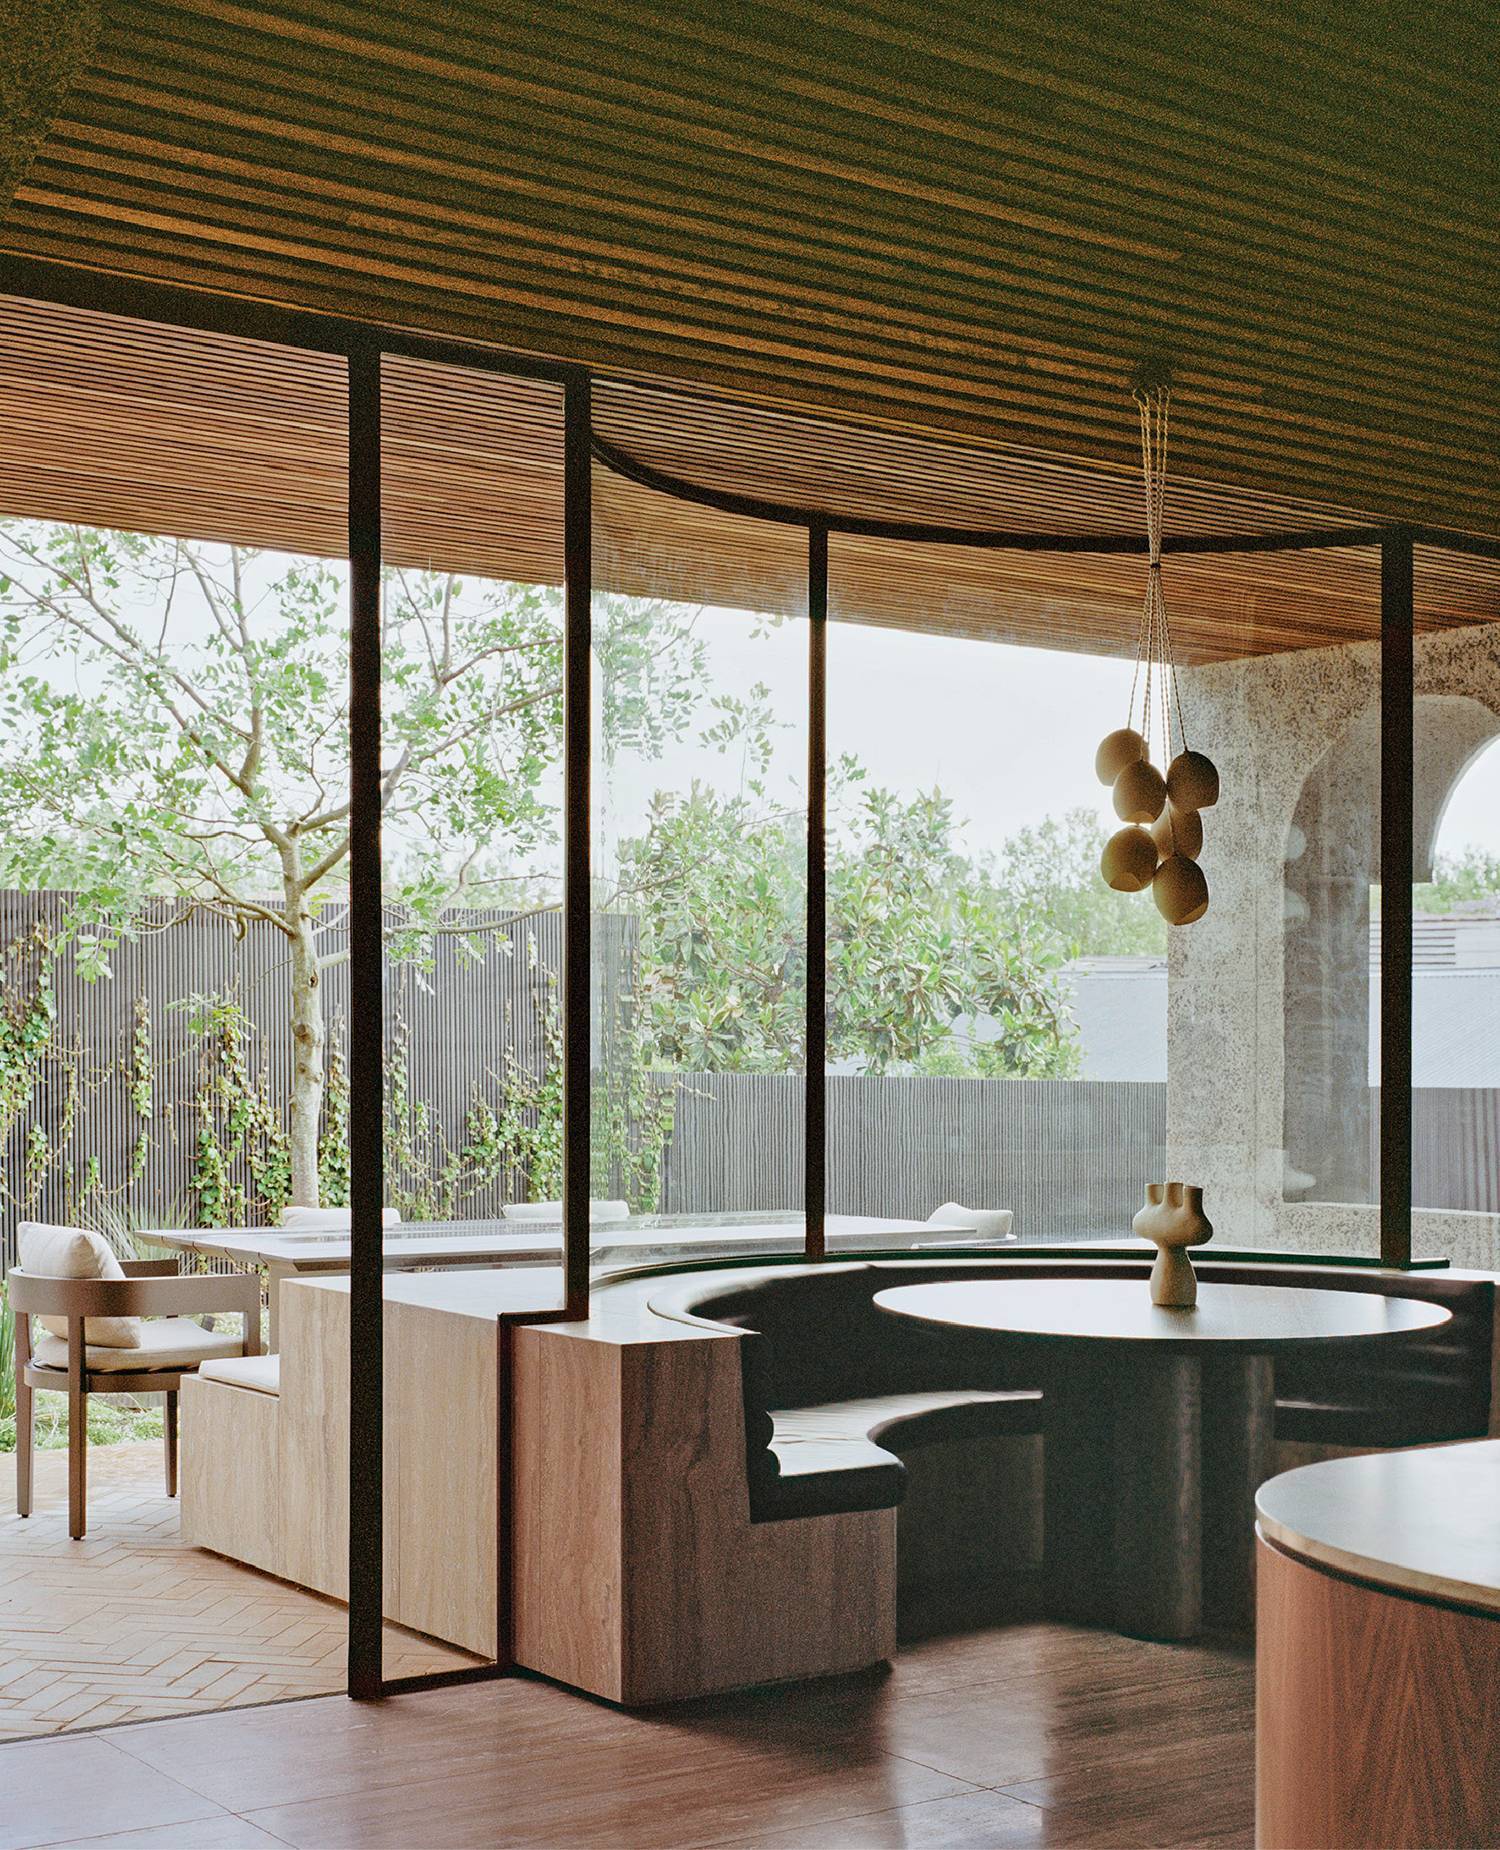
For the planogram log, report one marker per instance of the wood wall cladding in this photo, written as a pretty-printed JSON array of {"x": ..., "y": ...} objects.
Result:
[
  {"x": 121, "y": 422},
  {"x": 934, "y": 217}
]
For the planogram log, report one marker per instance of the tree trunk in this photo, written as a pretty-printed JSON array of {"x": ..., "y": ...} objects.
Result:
[{"x": 308, "y": 1039}]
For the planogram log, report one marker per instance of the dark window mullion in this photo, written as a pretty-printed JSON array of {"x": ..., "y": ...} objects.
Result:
[
  {"x": 577, "y": 804},
  {"x": 815, "y": 1189},
  {"x": 366, "y": 1049},
  {"x": 1397, "y": 763}
]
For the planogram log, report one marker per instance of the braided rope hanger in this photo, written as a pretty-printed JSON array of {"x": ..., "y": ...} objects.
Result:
[
  {"x": 1163, "y": 834},
  {"x": 1154, "y": 644}
]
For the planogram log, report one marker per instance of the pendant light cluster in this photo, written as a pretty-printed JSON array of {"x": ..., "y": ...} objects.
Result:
[{"x": 1163, "y": 836}]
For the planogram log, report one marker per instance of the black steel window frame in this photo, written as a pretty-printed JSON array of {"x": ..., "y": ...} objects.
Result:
[{"x": 364, "y": 347}]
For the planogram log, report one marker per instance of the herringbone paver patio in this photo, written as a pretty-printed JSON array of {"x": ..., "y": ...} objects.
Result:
[{"x": 131, "y": 1623}]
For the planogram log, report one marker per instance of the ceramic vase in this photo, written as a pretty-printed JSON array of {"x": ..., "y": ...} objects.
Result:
[{"x": 1173, "y": 1219}]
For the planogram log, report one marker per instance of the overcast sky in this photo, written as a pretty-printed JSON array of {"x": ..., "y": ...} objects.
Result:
[{"x": 1008, "y": 733}]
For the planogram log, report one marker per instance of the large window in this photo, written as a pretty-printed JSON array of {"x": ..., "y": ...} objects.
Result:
[
  {"x": 1455, "y": 977},
  {"x": 997, "y": 1016},
  {"x": 698, "y": 995}
]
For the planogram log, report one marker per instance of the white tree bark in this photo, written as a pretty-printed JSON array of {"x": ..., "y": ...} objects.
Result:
[{"x": 309, "y": 1034}]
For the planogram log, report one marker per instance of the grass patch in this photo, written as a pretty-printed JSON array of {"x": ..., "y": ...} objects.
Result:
[{"x": 112, "y": 1421}]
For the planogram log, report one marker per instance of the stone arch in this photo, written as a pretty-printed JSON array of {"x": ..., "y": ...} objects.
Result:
[{"x": 1331, "y": 860}]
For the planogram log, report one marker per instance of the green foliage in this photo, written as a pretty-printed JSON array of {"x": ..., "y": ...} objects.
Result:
[
  {"x": 922, "y": 940},
  {"x": 239, "y": 1128},
  {"x": 333, "y": 1141},
  {"x": 1052, "y": 870},
  {"x": 174, "y": 718},
  {"x": 512, "y": 1138},
  {"x": 113, "y": 1419},
  {"x": 511, "y": 1122},
  {"x": 28, "y": 1014},
  {"x": 1461, "y": 879}
]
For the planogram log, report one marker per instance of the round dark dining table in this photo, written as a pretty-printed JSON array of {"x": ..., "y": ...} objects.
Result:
[{"x": 1158, "y": 1428}]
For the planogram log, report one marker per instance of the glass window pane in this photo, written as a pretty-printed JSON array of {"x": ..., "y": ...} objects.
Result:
[
  {"x": 997, "y": 1017},
  {"x": 1456, "y": 918},
  {"x": 472, "y": 611},
  {"x": 699, "y": 845},
  {"x": 173, "y": 762},
  {"x": 1008, "y": 1033}
]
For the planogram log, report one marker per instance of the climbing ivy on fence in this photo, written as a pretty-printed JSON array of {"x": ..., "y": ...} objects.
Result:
[{"x": 216, "y": 1104}]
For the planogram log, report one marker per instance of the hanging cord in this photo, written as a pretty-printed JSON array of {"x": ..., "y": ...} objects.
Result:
[{"x": 1155, "y": 641}]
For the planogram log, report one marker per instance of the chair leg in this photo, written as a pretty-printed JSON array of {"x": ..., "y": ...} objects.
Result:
[
  {"x": 78, "y": 1462},
  {"x": 25, "y": 1442},
  {"x": 169, "y": 1427}
]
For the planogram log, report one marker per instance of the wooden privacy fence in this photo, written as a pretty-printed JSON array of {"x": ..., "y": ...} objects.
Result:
[
  {"x": 1455, "y": 1136},
  {"x": 88, "y": 1134},
  {"x": 1066, "y": 1156},
  {"x": 94, "y": 1131}
]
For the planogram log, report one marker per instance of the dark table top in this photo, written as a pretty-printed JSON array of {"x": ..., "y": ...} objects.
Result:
[{"x": 1250, "y": 1318}]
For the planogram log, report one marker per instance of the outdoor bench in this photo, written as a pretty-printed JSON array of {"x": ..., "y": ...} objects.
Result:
[{"x": 838, "y": 1395}]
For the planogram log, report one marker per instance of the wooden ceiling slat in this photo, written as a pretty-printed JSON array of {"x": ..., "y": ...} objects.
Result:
[
  {"x": 1028, "y": 280},
  {"x": 127, "y": 423},
  {"x": 338, "y": 103},
  {"x": 1295, "y": 444},
  {"x": 971, "y": 222},
  {"x": 1317, "y": 263}
]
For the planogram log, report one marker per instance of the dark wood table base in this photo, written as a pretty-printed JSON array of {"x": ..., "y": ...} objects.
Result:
[{"x": 1152, "y": 1465}]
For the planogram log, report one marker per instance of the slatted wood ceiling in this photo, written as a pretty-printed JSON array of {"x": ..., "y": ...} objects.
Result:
[
  {"x": 963, "y": 219},
  {"x": 118, "y": 422}
]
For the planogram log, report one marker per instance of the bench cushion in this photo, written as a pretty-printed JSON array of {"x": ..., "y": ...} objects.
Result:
[
  {"x": 260, "y": 1373},
  {"x": 844, "y": 1455}
]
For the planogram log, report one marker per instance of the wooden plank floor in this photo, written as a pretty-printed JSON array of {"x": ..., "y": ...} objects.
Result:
[
  {"x": 130, "y": 1623},
  {"x": 1024, "y": 1737}
]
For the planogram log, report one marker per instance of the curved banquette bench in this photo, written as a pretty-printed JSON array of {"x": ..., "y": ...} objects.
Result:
[{"x": 839, "y": 1396}]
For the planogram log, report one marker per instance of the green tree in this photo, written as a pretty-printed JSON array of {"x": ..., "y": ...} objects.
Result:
[
  {"x": 1459, "y": 879},
  {"x": 1052, "y": 869},
  {"x": 176, "y": 725},
  {"x": 921, "y": 939}
]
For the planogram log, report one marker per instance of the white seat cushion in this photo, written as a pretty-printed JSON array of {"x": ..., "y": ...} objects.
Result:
[
  {"x": 262, "y": 1373},
  {"x": 74, "y": 1252},
  {"x": 601, "y": 1213},
  {"x": 988, "y": 1223},
  {"x": 329, "y": 1220},
  {"x": 166, "y": 1342}
]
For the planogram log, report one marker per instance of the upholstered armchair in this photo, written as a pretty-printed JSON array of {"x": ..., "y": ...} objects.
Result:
[{"x": 107, "y": 1327}]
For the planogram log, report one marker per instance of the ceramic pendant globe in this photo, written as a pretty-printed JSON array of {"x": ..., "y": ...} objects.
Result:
[
  {"x": 1178, "y": 831},
  {"x": 1118, "y": 749},
  {"x": 1140, "y": 792},
  {"x": 1180, "y": 890},
  {"x": 1128, "y": 862},
  {"x": 1193, "y": 781}
]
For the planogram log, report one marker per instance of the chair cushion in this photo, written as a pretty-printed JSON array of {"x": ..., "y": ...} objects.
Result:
[
  {"x": 905, "y": 1421},
  {"x": 843, "y": 1455},
  {"x": 166, "y": 1342},
  {"x": 329, "y": 1220},
  {"x": 74, "y": 1252},
  {"x": 262, "y": 1373}
]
